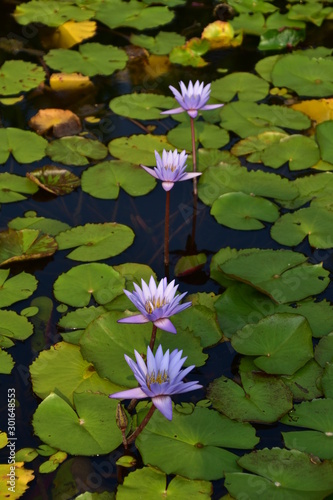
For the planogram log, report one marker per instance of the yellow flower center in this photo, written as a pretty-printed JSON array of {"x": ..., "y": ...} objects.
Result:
[
  {"x": 153, "y": 304},
  {"x": 158, "y": 379},
  {"x": 170, "y": 167}
]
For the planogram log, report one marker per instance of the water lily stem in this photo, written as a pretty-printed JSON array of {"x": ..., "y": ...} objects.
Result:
[
  {"x": 166, "y": 230},
  {"x": 194, "y": 157},
  {"x": 153, "y": 337},
  {"x": 143, "y": 424}
]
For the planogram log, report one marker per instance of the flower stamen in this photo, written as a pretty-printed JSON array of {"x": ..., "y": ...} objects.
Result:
[{"x": 159, "y": 379}]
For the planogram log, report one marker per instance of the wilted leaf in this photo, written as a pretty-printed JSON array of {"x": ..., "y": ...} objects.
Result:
[
  {"x": 25, "y": 244},
  {"x": 55, "y": 180},
  {"x": 69, "y": 34},
  {"x": 61, "y": 121}
]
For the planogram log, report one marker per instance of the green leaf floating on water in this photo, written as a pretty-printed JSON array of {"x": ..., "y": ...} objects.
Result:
[
  {"x": 14, "y": 187},
  {"x": 55, "y": 180},
  {"x": 241, "y": 304},
  {"x": 327, "y": 381},
  {"x": 25, "y": 244},
  {"x": 50, "y": 13},
  {"x": 25, "y": 146},
  {"x": 162, "y": 44},
  {"x": 324, "y": 133},
  {"x": 17, "y": 288},
  {"x": 301, "y": 152},
  {"x": 249, "y": 6},
  {"x": 278, "y": 39},
  {"x": 43, "y": 224},
  {"x": 142, "y": 106},
  {"x": 228, "y": 177},
  {"x": 306, "y": 76},
  {"x": 76, "y": 286},
  {"x": 283, "y": 275},
  {"x": 75, "y": 322},
  {"x": 248, "y": 118},
  {"x": 317, "y": 415},
  {"x": 96, "y": 241},
  {"x": 250, "y": 23},
  {"x": 13, "y": 327},
  {"x": 80, "y": 431},
  {"x": 207, "y": 134},
  {"x": 105, "y": 180},
  {"x": 133, "y": 14},
  {"x": 215, "y": 157},
  {"x": 243, "y": 211},
  {"x": 260, "y": 398},
  {"x": 11, "y": 81},
  {"x": 105, "y": 342},
  {"x": 76, "y": 150},
  {"x": 283, "y": 475},
  {"x": 189, "y": 264},
  {"x": 324, "y": 350},
  {"x": 305, "y": 384},
  {"x": 91, "y": 59},
  {"x": 190, "y": 53},
  {"x": 246, "y": 86},
  {"x": 191, "y": 445},
  {"x": 151, "y": 484},
  {"x": 6, "y": 362},
  {"x": 282, "y": 342},
  {"x": 139, "y": 148},
  {"x": 313, "y": 222}
]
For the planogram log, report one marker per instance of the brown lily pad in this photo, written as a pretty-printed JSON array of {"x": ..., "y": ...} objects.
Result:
[
  {"x": 63, "y": 122},
  {"x": 25, "y": 244},
  {"x": 55, "y": 180}
]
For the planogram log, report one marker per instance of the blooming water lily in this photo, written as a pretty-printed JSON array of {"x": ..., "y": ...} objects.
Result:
[{"x": 159, "y": 379}]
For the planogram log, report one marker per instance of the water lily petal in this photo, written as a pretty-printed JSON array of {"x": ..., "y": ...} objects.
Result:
[
  {"x": 164, "y": 405},
  {"x": 166, "y": 325},
  {"x": 136, "y": 393}
]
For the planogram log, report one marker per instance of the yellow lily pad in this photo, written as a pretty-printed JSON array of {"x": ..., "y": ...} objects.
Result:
[
  {"x": 21, "y": 477},
  {"x": 63, "y": 122},
  {"x": 69, "y": 82},
  {"x": 69, "y": 34},
  {"x": 221, "y": 34}
]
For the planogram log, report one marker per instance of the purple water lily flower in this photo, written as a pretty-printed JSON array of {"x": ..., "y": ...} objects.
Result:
[
  {"x": 192, "y": 99},
  {"x": 156, "y": 304},
  {"x": 159, "y": 379},
  {"x": 170, "y": 168}
]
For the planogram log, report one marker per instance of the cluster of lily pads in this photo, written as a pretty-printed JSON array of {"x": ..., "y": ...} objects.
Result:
[{"x": 266, "y": 162}]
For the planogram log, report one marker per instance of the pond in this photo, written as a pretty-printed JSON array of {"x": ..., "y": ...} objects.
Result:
[{"x": 87, "y": 96}]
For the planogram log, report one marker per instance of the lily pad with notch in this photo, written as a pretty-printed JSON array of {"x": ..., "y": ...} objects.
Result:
[
  {"x": 105, "y": 180},
  {"x": 207, "y": 134},
  {"x": 142, "y": 106},
  {"x": 6, "y": 362},
  {"x": 25, "y": 146},
  {"x": 43, "y": 224},
  {"x": 306, "y": 383},
  {"x": 161, "y": 44},
  {"x": 139, "y": 148},
  {"x": 11, "y": 80},
  {"x": 75, "y": 322},
  {"x": 246, "y": 86},
  {"x": 25, "y": 244},
  {"x": 76, "y": 150},
  {"x": 199, "y": 438},
  {"x": 13, "y": 327},
  {"x": 51, "y": 14},
  {"x": 324, "y": 133},
  {"x": 300, "y": 151},
  {"x": 261, "y": 397},
  {"x": 55, "y": 180},
  {"x": 95, "y": 241},
  {"x": 17, "y": 288},
  {"x": 14, "y": 187}
]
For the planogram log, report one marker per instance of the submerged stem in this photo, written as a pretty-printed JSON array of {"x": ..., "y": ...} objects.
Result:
[
  {"x": 194, "y": 156},
  {"x": 166, "y": 229},
  {"x": 143, "y": 424}
]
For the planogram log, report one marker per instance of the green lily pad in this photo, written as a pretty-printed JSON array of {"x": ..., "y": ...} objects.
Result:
[
  {"x": 191, "y": 445},
  {"x": 43, "y": 224},
  {"x": 264, "y": 66},
  {"x": 162, "y": 44},
  {"x": 51, "y": 13},
  {"x": 76, "y": 287},
  {"x": 55, "y": 180},
  {"x": 324, "y": 138},
  {"x": 305, "y": 383},
  {"x": 248, "y": 118},
  {"x": 190, "y": 264},
  {"x": 207, "y": 134},
  {"x": 11, "y": 81},
  {"x": 53, "y": 462},
  {"x": 6, "y": 362},
  {"x": 190, "y": 53},
  {"x": 282, "y": 341},
  {"x": 311, "y": 12},
  {"x": 312, "y": 187},
  {"x": 133, "y": 15},
  {"x": 214, "y": 157},
  {"x": 14, "y": 326},
  {"x": 248, "y": 6},
  {"x": 278, "y": 39},
  {"x": 250, "y": 23},
  {"x": 76, "y": 321},
  {"x": 281, "y": 21},
  {"x": 139, "y": 148},
  {"x": 284, "y": 474},
  {"x": 76, "y": 150},
  {"x": 316, "y": 415},
  {"x": 80, "y": 431},
  {"x": 226, "y": 178},
  {"x": 327, "y": 381},
  {"x": 253, "y": 146},
  {"x": 301, "y": 152},
  {"x": 261, "y": 398},
  {"x": 17, "y": 288},
  {"x": 241, "y": 304},
  {"x": 283, "y": 275},
  {"x": 306, "y": 76},
  {"x": 12, "y": 186},
  {"x": 313, "y": 222},
  {"x": 149, "y": 483},
  {"x": 25, "y": 244},
  {"x": 141, "y": 106},
  {"x": 26, "y": 455},
  {"x": 243, "y": 211},
  {"x": 105, "y": 180},
  {"x": 105, "y": 342},
  {"x": 96, "y": 241},
  {"x": 91, "y": 59},
  {"x": 246, "y": 86},
  {"x": 25, "y": 146},
  {"x": 324, "y": 350}
]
